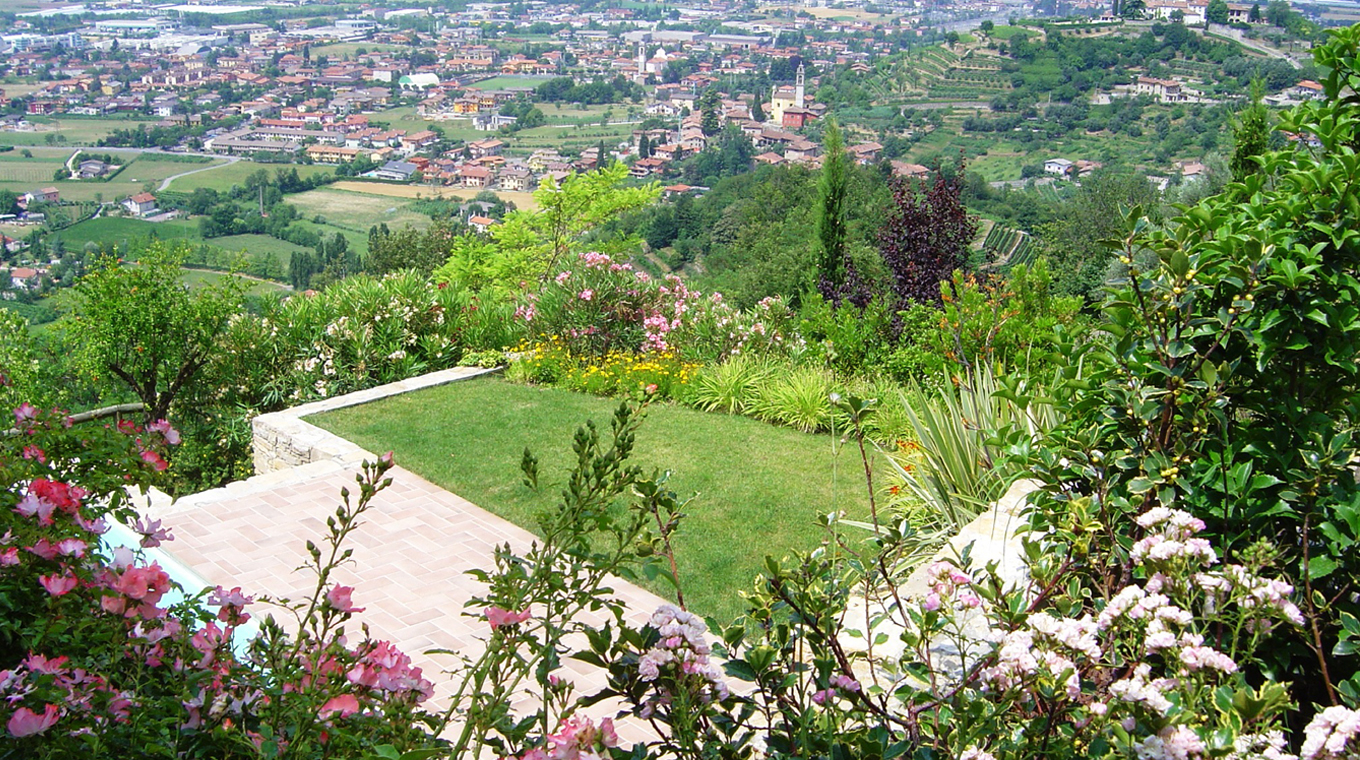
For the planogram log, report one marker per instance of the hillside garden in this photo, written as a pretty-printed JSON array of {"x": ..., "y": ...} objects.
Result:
[{"x": 1191, "y": 545}]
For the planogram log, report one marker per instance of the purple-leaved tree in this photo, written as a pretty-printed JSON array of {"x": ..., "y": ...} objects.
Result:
[{"x": 927, "y": 235}]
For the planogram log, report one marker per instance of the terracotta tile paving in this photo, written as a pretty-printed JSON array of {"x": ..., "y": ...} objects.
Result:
[{"x": 410, "y": 563}]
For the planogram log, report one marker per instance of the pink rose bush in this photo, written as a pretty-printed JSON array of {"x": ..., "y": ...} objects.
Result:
[{"x": 109, "y": 647}]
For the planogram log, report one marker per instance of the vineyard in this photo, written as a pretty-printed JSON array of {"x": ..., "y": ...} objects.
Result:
[{"x": 1007, "y": 247}]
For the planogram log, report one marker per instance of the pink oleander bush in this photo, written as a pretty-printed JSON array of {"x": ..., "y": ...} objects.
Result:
[{"x": 599, "y": 305}]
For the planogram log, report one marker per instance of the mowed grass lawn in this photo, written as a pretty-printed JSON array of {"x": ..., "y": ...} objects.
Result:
[{"x": 760, "y": 488}]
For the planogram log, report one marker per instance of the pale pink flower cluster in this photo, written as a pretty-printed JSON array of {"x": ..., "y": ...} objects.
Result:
[
  {"x": 1018, "y": 660},
  {"x": 1253, "y": 593},
  {"x": 949, "y": 584},
  {"x": 1172, "y": 743},
  {"x": 1140, "y": 688},
  {"x": 1173, "y": 539},
  {"x": 1268, "y": 746},
  {"x": 1331, "y": 735},
  {"x": 973, "y": 753},
  {"x": 683, "y": 650}
]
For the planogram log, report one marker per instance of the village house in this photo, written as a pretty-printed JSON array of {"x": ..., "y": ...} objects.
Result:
[
  {"x": 331, "y": 154},
  {"x": 141, "y": 204},
  {"x": 1164, "y": 90},
  {"x": 475, "y": 176},
  {"x": 397, "y": 171},
  {"x": 515, "y": 179},
  {"x": 480, "y": 224},
  {"x": 483, "y": 148},
  {"x": 23, "y": 278}
]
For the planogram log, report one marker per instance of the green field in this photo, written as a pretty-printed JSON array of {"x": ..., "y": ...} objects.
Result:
[
  {"x": 257, "y": 245},
  {"x": 506, "y": 82},
  {"x": 22, "y": 174},
  {"x": 235, "y": 174},
  {"x": 760, "y": 487},
  {"x": 122, "y": 234}
]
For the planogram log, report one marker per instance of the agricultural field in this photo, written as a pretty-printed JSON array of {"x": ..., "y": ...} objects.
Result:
[
  {"x": 75, "y": 131},
  {"x": 257, "y": 245},
  {"x": 110, "y": 232},
  {"x": 34, "y": 172},
  {"x": 198, "y": 278},
  {"x": 22, "y": 174},
  {"x": 356, "y": 212}
]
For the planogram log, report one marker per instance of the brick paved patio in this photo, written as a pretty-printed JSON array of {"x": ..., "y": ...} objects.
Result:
[{"x": 410, "y": 563}]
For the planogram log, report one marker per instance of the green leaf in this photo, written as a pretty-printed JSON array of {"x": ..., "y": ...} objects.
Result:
[{"x": 1320, "y": 567}]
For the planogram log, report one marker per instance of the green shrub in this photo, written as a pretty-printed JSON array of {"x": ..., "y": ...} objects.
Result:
[
  {"x": 799, "y": 397},
  {"x": 730, "y": 387}
]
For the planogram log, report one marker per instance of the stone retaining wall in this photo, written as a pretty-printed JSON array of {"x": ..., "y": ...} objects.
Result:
[{"x": 281, "y": 440}]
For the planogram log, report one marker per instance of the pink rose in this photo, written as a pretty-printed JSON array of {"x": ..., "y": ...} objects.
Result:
[
  {"x": 345, "y": 705},
  {"x": 498, "y": 617},
  {"x": 339, "y": 599},
  {"x": 58, "y": 585},
  {"x": 25, "y": 722}
]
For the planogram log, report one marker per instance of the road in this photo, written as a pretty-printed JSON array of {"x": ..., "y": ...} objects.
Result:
[
  {"x": 1222, "y": 30},
  {"x": 165, "y": 183}
]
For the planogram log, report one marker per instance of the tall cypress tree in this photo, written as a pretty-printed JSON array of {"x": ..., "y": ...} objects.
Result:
[{"x": 831, "y": 218}]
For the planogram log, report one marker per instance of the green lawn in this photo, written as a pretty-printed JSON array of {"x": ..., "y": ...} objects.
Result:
[{"x": 760, "y": 487}]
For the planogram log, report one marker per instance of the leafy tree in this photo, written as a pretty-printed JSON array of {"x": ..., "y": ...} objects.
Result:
[
  {"x": 831, "y": 216},
  {"x": 926, "y": 236},
  {"x": 529, "y": 245},
  {"x": 1217, "y": 12},
  {"x": 1072, "y": 242},
  {"x": 142, "y": 325},
  {"x": 9, "y": 200},
  {"x": 1254, "y": 15},
  {"x": 757, "y": 112},
  {"x": 1251, "y": 136},
  {"x": 644, "y": 147}
]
